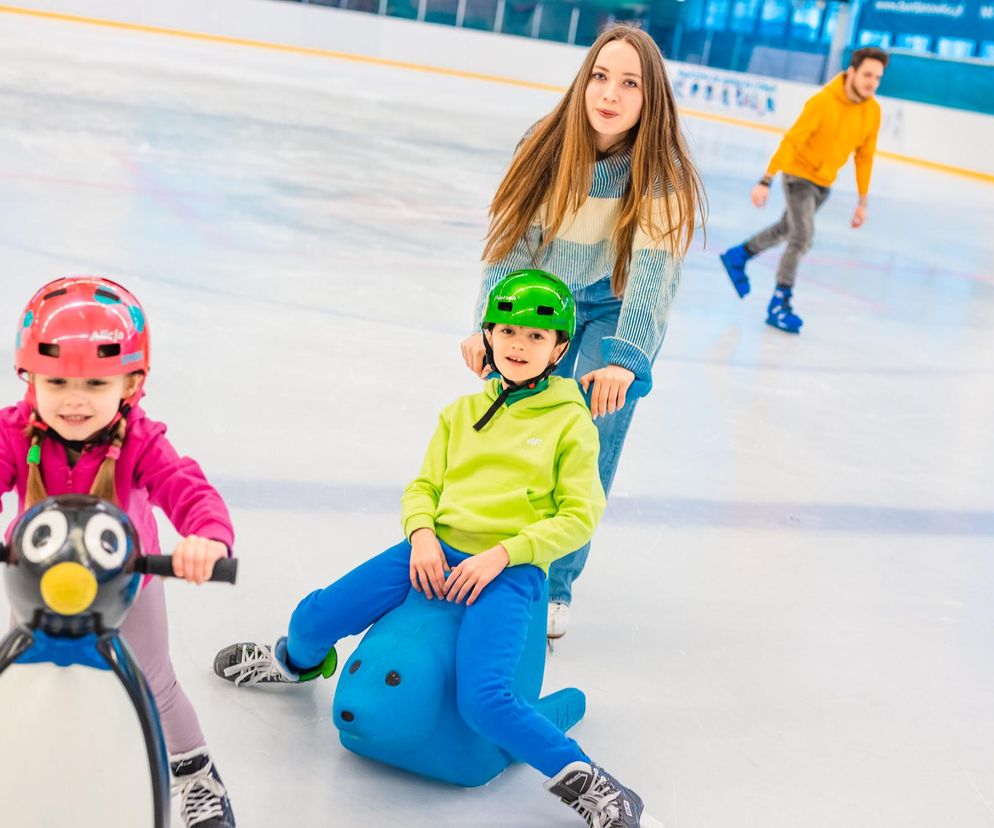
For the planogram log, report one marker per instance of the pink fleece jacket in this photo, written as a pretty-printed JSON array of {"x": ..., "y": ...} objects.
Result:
[{"x": 149, "y": 473}]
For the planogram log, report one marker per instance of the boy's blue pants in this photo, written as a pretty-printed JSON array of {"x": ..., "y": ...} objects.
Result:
[{"x": 488, "y": 649}]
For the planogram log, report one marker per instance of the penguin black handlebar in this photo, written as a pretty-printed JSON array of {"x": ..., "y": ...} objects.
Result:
[{"x": 225, "y": 569}]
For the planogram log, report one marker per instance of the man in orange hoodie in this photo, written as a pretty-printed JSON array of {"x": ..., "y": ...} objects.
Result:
[{"x": 840, "y": 119}]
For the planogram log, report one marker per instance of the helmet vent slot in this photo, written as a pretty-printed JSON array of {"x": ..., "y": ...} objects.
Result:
[
  {"x": 48, "y": 349},
  {"x": 109, "y": 350},
  {"x": 54, "y": 293},
  {"x": 545, "y": 310},
  {"x": 505, "y": 306},
  {"x": 101, "y": 293}
]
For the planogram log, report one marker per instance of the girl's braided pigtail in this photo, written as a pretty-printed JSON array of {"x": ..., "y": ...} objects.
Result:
[
  {"x": 35, "y": 489},
  {"x": 104, "y": 485}
]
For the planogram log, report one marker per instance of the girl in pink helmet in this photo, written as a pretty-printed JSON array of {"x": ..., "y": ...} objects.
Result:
[{"x": 83, "y": 348}]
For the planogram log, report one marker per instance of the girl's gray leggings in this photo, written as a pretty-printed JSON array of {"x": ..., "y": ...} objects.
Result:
[{"x": 146, "y": 629}]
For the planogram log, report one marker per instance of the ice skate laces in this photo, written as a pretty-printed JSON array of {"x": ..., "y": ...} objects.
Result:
[
  {"x": 598, "y": 804},
  {"x": 201, "y": 794},
  {"x": 256, "y": 664}
]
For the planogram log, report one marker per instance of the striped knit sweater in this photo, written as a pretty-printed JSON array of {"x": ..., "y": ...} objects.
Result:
[{"x": 583, "y": 253}]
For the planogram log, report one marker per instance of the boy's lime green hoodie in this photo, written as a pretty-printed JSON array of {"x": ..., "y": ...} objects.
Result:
[{"x": 528, "y": 480}]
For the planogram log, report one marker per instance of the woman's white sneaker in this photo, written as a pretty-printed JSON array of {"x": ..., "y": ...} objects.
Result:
[{"x": 558, "y": 619}]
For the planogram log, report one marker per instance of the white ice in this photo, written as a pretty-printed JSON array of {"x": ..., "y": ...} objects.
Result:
[{"x": 788, "y": 614}]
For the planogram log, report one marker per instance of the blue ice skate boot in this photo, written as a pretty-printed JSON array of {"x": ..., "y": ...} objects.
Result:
[
  {"x": 734, "y": 259},
  {"x": 779, "y": 313}
]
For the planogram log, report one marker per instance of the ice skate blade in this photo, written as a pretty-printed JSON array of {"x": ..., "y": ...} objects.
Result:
[{"x": 789, "y": 330}]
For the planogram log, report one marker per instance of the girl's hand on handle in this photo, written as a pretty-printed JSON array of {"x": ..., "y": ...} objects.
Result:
[
  {"x": 759, "y": 195},
  {"x": 474, "y": 573},
  {"x": 610, "y": 385},
  {"x": 428, "y": 564},
  {"x": 474, "y": 354},
  {"x": 194, "y": 558}
]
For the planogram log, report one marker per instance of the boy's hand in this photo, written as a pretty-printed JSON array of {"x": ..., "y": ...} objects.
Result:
[
  {"x": 610, "y": 386},
  {"x": 474, "y": 573},
  {"x": 194, "y": 558},
  {"x": 428, "y": 564}
]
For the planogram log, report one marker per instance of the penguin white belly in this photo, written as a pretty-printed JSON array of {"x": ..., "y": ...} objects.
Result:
[{"x": 73, "y": 750}]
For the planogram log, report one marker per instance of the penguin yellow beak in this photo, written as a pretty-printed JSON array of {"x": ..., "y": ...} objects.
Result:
[{"x": 68, "y": 588}]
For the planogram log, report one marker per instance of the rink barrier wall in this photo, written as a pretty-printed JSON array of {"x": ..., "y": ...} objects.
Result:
[{"x": 936, "y": 138}]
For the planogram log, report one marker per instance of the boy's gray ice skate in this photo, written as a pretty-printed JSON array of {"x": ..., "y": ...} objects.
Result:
[
  {"x": 250, "y": 663},
  {"x": 598, "y": 797}
]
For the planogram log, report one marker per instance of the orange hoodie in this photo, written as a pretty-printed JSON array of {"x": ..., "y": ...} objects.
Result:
[{"x": 829, "y": 128}]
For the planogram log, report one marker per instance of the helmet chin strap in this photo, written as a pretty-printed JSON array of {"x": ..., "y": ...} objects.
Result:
[{"x": 510, "y": 386}]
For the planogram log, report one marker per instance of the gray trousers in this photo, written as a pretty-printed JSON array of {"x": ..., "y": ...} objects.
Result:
[
  {"x": 796, "y": 225},
  {"x": 146, "y": 629}
]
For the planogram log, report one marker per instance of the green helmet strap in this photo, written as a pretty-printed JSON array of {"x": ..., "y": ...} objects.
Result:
[{"x": 509, "y": 385}]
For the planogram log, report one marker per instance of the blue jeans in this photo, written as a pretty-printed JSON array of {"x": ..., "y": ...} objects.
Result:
[
  {"x": 488, "y": 649},
  {"x": 597, "y": 312}
]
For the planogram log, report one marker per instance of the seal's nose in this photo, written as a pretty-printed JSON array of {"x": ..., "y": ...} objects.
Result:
[{"x": 347, "y": 716}]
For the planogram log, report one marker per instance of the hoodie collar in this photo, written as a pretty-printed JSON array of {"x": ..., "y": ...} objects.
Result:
[
  {"x": 838, "y": 87},
  {"x": 519, "y": 394}
]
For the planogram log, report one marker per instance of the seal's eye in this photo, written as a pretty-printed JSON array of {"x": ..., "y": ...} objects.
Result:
[
  {"x": 355, "y": 665},
  {"x": 44, "y": 535},
  {"x": 105, "y": 541},
  {"x": 393, "y": 678}
]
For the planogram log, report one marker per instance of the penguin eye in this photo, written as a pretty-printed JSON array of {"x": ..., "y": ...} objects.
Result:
[
  {"x": 354, "y": 666},
  {"x": 393, "y": 678},
  {"x": 44, "y": 535},
  {"x": 105, "y": 541}
]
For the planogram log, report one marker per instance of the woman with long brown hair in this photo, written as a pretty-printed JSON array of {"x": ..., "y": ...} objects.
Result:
[{"x": 603, "y": 193}]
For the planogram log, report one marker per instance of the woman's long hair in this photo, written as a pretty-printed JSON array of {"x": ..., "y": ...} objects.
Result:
[{"x": 554, "y": 166}]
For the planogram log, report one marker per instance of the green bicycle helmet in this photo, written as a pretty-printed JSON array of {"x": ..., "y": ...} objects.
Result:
[{"x": 532, "y": 298}]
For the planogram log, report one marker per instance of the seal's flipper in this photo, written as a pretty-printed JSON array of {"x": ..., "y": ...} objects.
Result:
[{"x": 564, "y": 708}]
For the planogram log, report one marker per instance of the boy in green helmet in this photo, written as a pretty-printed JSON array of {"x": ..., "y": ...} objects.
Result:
[{"x": 509, "y": 483}]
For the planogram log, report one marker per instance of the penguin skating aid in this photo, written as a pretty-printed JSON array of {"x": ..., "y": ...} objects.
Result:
[{"x": 80, "y": 718}]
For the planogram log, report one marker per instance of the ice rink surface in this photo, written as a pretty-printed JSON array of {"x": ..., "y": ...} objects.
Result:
[{"x": 788, "y": 614}]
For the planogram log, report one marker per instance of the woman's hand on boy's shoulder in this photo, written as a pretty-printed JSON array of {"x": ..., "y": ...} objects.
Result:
[
  {"x": 428, "y": 564},
  {"x": 468, "y": 580},
  {"x": 474, "y": 354},
  {"x": 610, "y": 385},
  {"x": 194, "y": 558}
]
